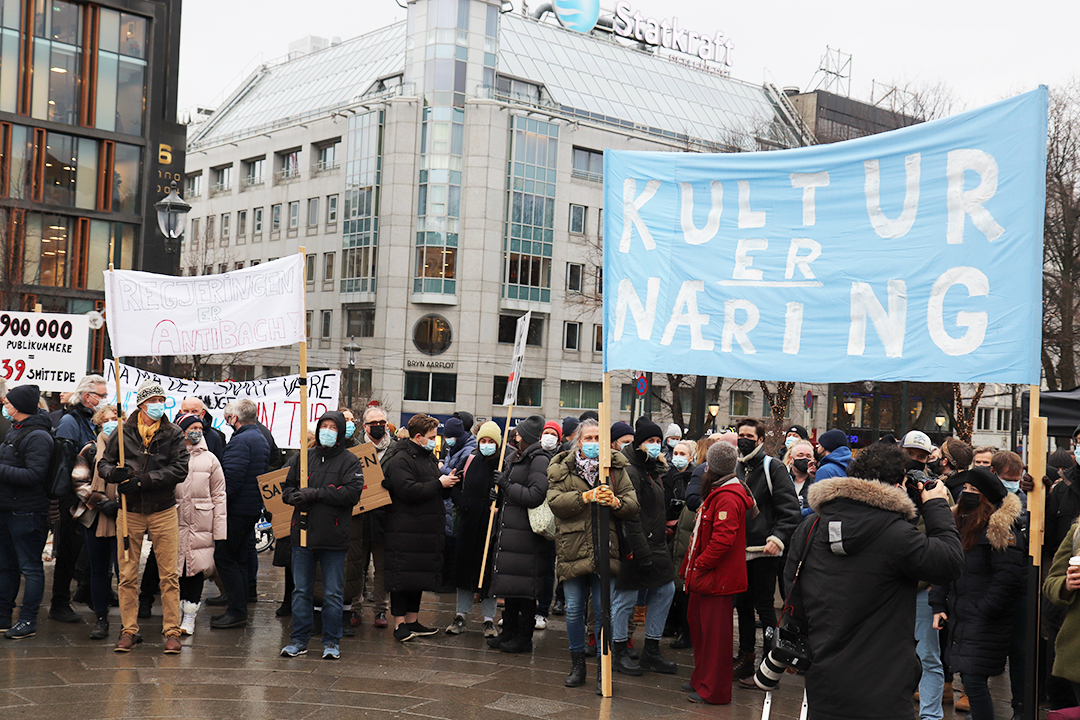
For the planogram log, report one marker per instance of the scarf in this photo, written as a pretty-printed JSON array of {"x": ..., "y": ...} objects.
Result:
[
  {"x": 759, "y": 450},
  {"x": 587, "y": 468},
  {"x": 148, "y": 431}
]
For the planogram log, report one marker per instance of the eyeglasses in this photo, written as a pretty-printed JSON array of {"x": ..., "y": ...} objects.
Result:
[
  {"x": 99, "y": 396},
  {"x": 376, "y": 423}
]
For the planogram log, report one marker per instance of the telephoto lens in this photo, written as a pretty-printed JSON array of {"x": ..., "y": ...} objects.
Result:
[{"x": 768, "y": 673}]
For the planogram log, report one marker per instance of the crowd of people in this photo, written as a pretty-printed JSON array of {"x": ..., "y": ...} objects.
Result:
[{"x": 900, "y": 564}]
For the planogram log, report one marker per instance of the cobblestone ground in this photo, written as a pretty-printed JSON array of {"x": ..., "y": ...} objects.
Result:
[{"x": 61, "y": 673}]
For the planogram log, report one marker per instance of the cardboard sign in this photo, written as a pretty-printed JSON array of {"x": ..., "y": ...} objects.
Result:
[{"x": 373, "y": 496}]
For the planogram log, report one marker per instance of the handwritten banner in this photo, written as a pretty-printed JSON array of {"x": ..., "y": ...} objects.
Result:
[
  {"x": 278, "y": 398},
  {"x": 43, "y": 349},
  {"x": 909, "y": 255},
  {"x": 257, "y": 307}
]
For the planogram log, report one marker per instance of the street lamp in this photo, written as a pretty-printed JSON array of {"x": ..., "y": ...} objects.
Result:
[
  {"x": 350, "y": 354},
  {"x": 172, "y": 214},
  {"x": 849, "y": 407},
  {"x": 714, "y": 410},
  {"x": 940, "y": 420}
]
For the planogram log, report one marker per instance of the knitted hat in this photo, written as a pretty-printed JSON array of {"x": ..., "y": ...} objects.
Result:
[
  {"x": 673, "y": 431},
  {"x": 147, "y": 390},
  {"x": 187, "y": 421},
  {"x": 1060, "y": 459},
  {"x": 530, "y": 428},
  {"x": 646, "y": 430},
  {"x": 25, "y": 398},
  {"x": 554, "y": 426},
  {"x": 454, "y": 428},
  {"x": 491, "y": 431},
  {"x": 800, "y": 431},
  {"x": 466, "y": 419},
  {"x": 833, "y": 439},
  {"x": 620, "y": 429},
  {"x": 721, "y": 458},
  {"x": 569, "y": 425},
  {"x": 987, "y": 483},
  {"x": 589, "y": 415}
]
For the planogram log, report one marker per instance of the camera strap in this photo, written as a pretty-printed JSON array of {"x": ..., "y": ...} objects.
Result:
[{"x": 789, "y": 609}]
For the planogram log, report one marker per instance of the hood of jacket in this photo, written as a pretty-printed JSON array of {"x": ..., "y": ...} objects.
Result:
[
  {"x": 339, "y": 421},
  {"x": 843, "y": 502},
  {"x": 999, "y": 529},
  {"x": 840, "y": 456},
  {"x": 732, "y": 485}
]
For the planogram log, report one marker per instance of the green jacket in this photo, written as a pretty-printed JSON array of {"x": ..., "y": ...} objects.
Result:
[
  {"x": 574, "y": 518},
  {"x": 1067, "y": 647}
]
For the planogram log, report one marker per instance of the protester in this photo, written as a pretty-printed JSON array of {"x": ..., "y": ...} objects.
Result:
[
  {"x": 321, "y": 521},
  {"x": 858, "y": 580},
  {"x": 520, "y": 554},
  {"x": 376, "y": 433},
  {"x": 676, "y": 483},
  {"x": 569, "y": 432},
  {"x": 983, "y": 456},
  {"x": 978, "y": 605},
  {"x": 574, "y": 491},
  {"x": 672, "y": 435},
  {"x": 24, "y": 462},
  {"x": 956, "y": 456},
  {"x": 460, "y": 443},
  {"x": 551, "y": 440},
  {"x": 215, "y": 439},
  {"x": 155, "y": 461},
  {"x": 1061, "y": 584},
  {"x": 834, "y": 455},
  {"x": 350, "y": 427},
  {"x": 622, "y": 435},
  {"x": 714, "y": 571},
  {"x": 800, "y": 464}
]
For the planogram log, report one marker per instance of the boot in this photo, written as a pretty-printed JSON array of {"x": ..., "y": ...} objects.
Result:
[
  {"x": 347, "y": 629},
  {"x": 600, "y": 675},
  {"x": 681, "y": 641},
  {"x": 187, "y": 624},
  {"x": 145, "y": 606},
  {"x": 576, "y": 678},
  {"x": 651, "y": 659},
  {"x": 621, "y": 662},
  {"x": 744, "y": 666},
  {"x": 101, "y": 629}
]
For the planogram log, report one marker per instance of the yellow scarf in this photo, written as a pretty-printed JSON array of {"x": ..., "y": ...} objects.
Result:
[{"x": 147, "y": 431}]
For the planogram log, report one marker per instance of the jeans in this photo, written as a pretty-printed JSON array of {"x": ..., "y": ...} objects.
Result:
[
  {"x": 101, "y": 552},
  {"x": 761, "y": 580},
  {"x": 658, "y": 601},
  {"x": 928, "y": 649},
  {"x": 576, "y": 590},
  {"x": 22, "y": 538},
  {"x": 231, "y": 558},
  {"x": 978, "y": 692},
  {"x": 303, "y": 609},
  {"x": 164, "y": 532},
  {"x": 465, "y": 604}
]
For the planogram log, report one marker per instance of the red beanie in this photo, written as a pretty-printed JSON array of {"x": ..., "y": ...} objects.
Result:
[{"x": 554, "y": 426}]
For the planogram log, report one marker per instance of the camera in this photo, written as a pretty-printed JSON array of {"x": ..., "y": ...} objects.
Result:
[
  {"x": 915, "y": 482},
  {"x": 790, "y": 649}
]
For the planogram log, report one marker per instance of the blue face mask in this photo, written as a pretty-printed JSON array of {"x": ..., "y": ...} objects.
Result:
[
  {"x": 679, "y": 461},
  {"x": 451, "y": 442},
  {"x": 6, "y": 414},
  {"x": 1076, "y": 452},
  {"x": 327, "y": 437},
  {"x": 109, "y": 427},
  {"x": 350, "y": 428},
  {"x": 651, "y": 449},
  {"x": 487, "y": 449},
  {"x": 1012, "y": 487},
  {"x": 790, "y": 441},
  {"x": 431, "y": 445},
  {"x": 155, "y": 410},
  {"x": 591, "y": 450}
]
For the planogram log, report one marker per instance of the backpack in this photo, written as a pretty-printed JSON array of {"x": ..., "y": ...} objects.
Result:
[{"x": 57, "y": 482}]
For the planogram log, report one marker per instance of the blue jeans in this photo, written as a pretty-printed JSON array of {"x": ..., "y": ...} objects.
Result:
[
  {"x": 576, "y": 591},
  {"x": 488, "y": 605},
  {"x": 928, "y": 649},
  {"x": 22, "y": 538},
  {"x": 333, "y": 576},
  {"x": 978, "y": 692},
  {"x": 622, "y": 606}
]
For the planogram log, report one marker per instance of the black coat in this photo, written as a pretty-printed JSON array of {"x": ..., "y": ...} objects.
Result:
[
  {"x": 1062, "y": 509},
  {"x": 158, "y": 468},
  {"x": 676, "y": 483},
  {"x": 857, "y": 591},
  {"x": 415, "y": 520},
  {"x": 521, "y": 556},
  {"x": 472, "y": 499},
  {"x": 779, "y": 509},
  {"x": 980, "y": 603},
  {"x": 651, "y": 565},
  {"x": 22, "y": 472},
  {"x": 246, "y": 458}
]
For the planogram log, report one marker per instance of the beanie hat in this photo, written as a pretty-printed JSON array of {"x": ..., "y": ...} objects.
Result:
[
  {"x": 530, "y": 428},
  {"x": 673, "y": 431},
  {"x": 554, "y": 426},
  {"x": 800, "y": 431},
  {"x": 987, "y": 483},
  {"x": 642, "y": 419},
  {"x": 491, "y": 431},
  {"x": 1060, "y": 459},
  {"x": 147, "y": 390},
  {"x": 187, "y": 421},
  {"x": 646, "y": 430},
  {"x": 589, "y": 415},
  {"x": 620, "y": 429},
  {"x": 833, "y": 439},
  {"x": 721, "y": 458},
  {"x": 25, "y": 398},
  {"x": 453, "y": 428},
  {"x": 569, "y": 425},
  {"x": 466, "y": 419}
]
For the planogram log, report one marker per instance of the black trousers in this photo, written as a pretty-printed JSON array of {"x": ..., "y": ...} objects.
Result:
[
  {"x": 231, "y": 559},
  {"x": 761, "y": 587},
  {"x": 405, "y": 601},
  {"x": 519, "y": 618},
  {"x": 67, "y": 544}
]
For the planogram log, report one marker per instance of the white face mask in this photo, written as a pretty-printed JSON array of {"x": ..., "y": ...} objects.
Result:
[{"x": 549, "y": 442}]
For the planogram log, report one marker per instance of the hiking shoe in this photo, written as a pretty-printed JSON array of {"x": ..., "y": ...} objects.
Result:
[
  {"x": 403, "y": 633},
  {"x": 421, "y": 631},
  {"x": 292, "y": 650},
  {"x": 331, "y": 652},
  {"x": 456, "y": 627},
  {"x": 380, "y": 620},
  {"x": 21, "y": 630},
  {"x": 64, "y": 613},
  {"x": 101, "y": 629},
  {"x": 489, "y": 629}
]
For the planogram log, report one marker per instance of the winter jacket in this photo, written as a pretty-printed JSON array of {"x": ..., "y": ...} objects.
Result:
[
  {"x": 22, "y": 471},
  {"x": 92, "y": 490},
  {"x": 277, "y": 460},
  {"x": 459, "y": 454},
  {"x": 215, "y": 439},
  {"x": 1062, "y": 509},
  {"x": 780, "y": 512},
  {"x": 650, "y": 565},
  {"x": 856, "y": 594},
  {"x": 693, "y": 488},
  {"x": 575, "y": 520},
  {"x": 246, "y": 458},
  {"x": 675, "y": 485},
  {"x": 715, "y": 563},
  {"x": 337, "y": 478},
  {"x": 157, "y": 467},
  {"x": 521, "y": 556},
  {"x": 471, "y": 496},
  {"x": 835, "y": 464},
  {"x": 1067, "y": 646},
  {"x": 200, "y": 510},
  {"x": 979, "y": 603},
  {"x": 75, "y": 425},
  {"x": 414, "y": 523}
]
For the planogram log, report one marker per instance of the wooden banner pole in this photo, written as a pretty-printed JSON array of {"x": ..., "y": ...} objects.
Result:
[
  {"x": 603, "y": 559},
  {"x": 122, "y": 518},
  {"x": 303, "y": 404},
  {"x": 494, "y": 503},
  {"x": 1036, "y": 505}
]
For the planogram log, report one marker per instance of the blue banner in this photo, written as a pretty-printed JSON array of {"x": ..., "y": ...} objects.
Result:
[{"x": 910, "y": 255}]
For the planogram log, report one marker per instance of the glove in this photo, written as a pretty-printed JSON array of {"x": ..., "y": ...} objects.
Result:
[
  {"x": 591, "y": 496},
  {"x": 502, "y": 479},
  {"x": 1027, "y": 483},
  {"x": 493, "y": 495},
  {"x": 128, "y": 486},
  {"x": 120, "y": 474},
  {"x": 109, "y": 508}
]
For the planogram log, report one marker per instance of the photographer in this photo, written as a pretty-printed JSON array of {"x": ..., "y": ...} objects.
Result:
[{"x": 857, "y": 587}]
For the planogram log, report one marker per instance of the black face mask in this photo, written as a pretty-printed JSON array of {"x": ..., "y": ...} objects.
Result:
[
  {"x": 802, "y": 465},
  {"x": 968, "y": 501},
  {"x": 376, "y": 432},
  {"x": 746, "y": 446},
  {"x": 934, "y": 466},
  {"x": 916, "y": 465}
]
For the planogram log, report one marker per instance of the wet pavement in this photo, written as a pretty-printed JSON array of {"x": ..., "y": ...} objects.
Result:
[{"x": 238, "y": 673}]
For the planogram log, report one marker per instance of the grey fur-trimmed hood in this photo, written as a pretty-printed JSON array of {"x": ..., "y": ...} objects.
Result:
[{"x": 868, "y": 492}]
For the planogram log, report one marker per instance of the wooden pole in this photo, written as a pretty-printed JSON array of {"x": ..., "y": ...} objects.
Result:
[
  {"x": 1036, "y": 505},
  {"x": 122, "y": 517},
  {"x": 603, "y": 542},
  {"x": 494, "y": 503},
  {"x": 303, "y": 404}
]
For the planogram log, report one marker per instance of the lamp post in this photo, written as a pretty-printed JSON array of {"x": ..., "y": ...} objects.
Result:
[
  {"x": 350, "y": 354},
  {"x": 714, "y": 410},
  {"x": 849, "y": 410},
  {"x": 172, "y": 214},
  {"x": 940, "y": 420}
]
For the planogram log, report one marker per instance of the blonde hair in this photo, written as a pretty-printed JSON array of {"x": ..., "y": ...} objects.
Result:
[{"x": 788, "y": 460}]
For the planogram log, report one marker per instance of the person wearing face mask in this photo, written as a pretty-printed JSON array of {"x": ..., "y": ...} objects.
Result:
[
  {"x": 376, "y": 432},
  {"x": 978, "y": 605},
  {"x": 676, "y": 482},
  {"x": 574, "y": 492},
  {"x": 96, "y": 516},
  {"x": 414, "y": 524},
  {"x": 155, "y": 461},
  {"x": 520, "y": 555},
  {"x": 622, "y": 435},
  {"x": 351, "y": 439},
  {"x": 794, "y": 434},
  {"x": 800, "y": 463},
  {"x": 672, "y": 436},
  {"x": 956, "y": 456},
  {"x": 324, "y": 508},
  {"x": 551, "y": 440},
  {"x": 460, "y": 444},
  {"x": 834, "y": 455}
]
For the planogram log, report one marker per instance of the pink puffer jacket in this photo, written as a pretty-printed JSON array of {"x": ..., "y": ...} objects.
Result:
[{"x": 200, "y": 506}]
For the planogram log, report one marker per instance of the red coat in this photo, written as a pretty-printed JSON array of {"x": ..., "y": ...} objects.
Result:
[{"x": 715, "y": 564}]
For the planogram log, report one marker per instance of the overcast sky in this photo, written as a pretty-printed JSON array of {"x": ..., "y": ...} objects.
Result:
[{"x": 983, "y": 51}]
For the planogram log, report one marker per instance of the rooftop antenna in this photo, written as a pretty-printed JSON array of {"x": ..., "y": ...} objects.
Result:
[{"x": 833, "y": 73}]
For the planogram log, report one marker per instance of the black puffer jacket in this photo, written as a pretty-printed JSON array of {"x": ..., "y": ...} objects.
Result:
[
  {"x": 247, "y": 456},
  {"x": 414, "y": 523},
  {"x": 472, "y": 500},
  {"x": 22, "y": 471},
  {"x": 779, "y": 509},
  {"x": 337, "y": 477},
  {"x": 650, "y": 566},
  {"x": 857, "y": 589},
  {"x": 1062, "y": 509},
  {"x": 158, "y": 468},
  {"x": 676, "y": 483},
  {"x": 979, "y": 603},
  {"x": 521, "y": 554}
]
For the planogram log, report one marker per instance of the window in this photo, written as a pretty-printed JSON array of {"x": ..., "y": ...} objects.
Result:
[
  {"x": 288, "y": 166},
  {"x": 508, "y": 330},
  {"x": 121, "y": 71},
  {"x": 312, "y": 212},
  {"x": 193, "y": 271},
  {"x": 226, "y": 221},
  {"x": 273, "y": 371},
  {"x": 600, "y": 223},
  {"x": 193, "y": 187},
  {"x": 222, "y": 179},
  {"x": 309, "y": 268},
  {"x": 588, "y": 164},
  {"x": 431, "y": 387},
  {"x": 577, "y": 219},
  {"x": 598, "y": 338},
  {"x": 57, "y": 58},
  {"x": 70, "y": 170},
  {"x": 241, "y": 223},
  {"x": 210, "y": 233},
  {"x": 327, "y": 324},
  {"x": 255, "y": 262},
  {"x": 223, "y": 268},
  {"x": 331, "y": 209},
  {"x": 530, "y": 226},
  {"x": 580, "y": 394},
  {"x": 571, "y": 336},
  {"x": 1004, "y": 420},
  {"x": 294, "y": 214},
  {"x": 243, "y": 373},
  {"x": 238, "y": 265},
  {"x": 766, "y": 409},
  {"x": 575, "y": 273},
  {"x": 256, "y": 226},
  {"x": 328, "y": 267},
  {"x": 740, "y": 403},
  {"x": 254, "y": 172},
  {"x": 360, "y": 322},
  {"x": 309, "y": 317},
  {"x": 436, "y": 267},
  {"x": 984, "y": 419},
  {"x": 327, "y": 157},
  {"x": 529, "y": 391},
  {"x": 208, "y": 270},
  {"x": 193, "y": 233},
  {"x": 432, "y": 335},
  {"x": 275, "y": 218}
]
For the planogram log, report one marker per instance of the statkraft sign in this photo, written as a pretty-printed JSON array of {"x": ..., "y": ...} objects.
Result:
[{"x": 668, "y": 34}]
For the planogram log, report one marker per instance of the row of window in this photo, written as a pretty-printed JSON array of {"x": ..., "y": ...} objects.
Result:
[
  {"x": 286, "y": 168},
  {"x": 359, "y": 322},
  {"x": 442, "y": 387},
  {"x": 991, "y": 419},
  {"x": 215, "y": 227}
]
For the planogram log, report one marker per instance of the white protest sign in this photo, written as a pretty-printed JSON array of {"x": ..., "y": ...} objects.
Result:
[
  {"x": 519, "y": 357},
  {"x": 257, "y": 307},
  {"x": 43, "y": 349},
  {"x": 278, "y": 398}
]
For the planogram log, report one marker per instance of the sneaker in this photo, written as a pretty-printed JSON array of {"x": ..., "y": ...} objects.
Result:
[
  {"x": 456, "y": 627},
  {"x": 421, "y": 631},
  {"x": 558, "y": 608},
  {"x": 101, "y": 629},
  {"x": 403, "y": 633},
  {"x": 292, "y": 650},
  {"x": 5, "y": 624},
  {"x": 187, "y": 622},
  {"x": 380, "y": 620},
  {"x": 489, "y": 629},
  {"x": 331, "y": 652},
  {"x": 21, "y": 630},
  {"x": 541, "y": 622}
]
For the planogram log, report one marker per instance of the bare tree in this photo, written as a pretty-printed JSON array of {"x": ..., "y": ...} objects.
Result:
[
  {"x": 965, "y": 414},
  {"x": 915, "y": 101}
]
